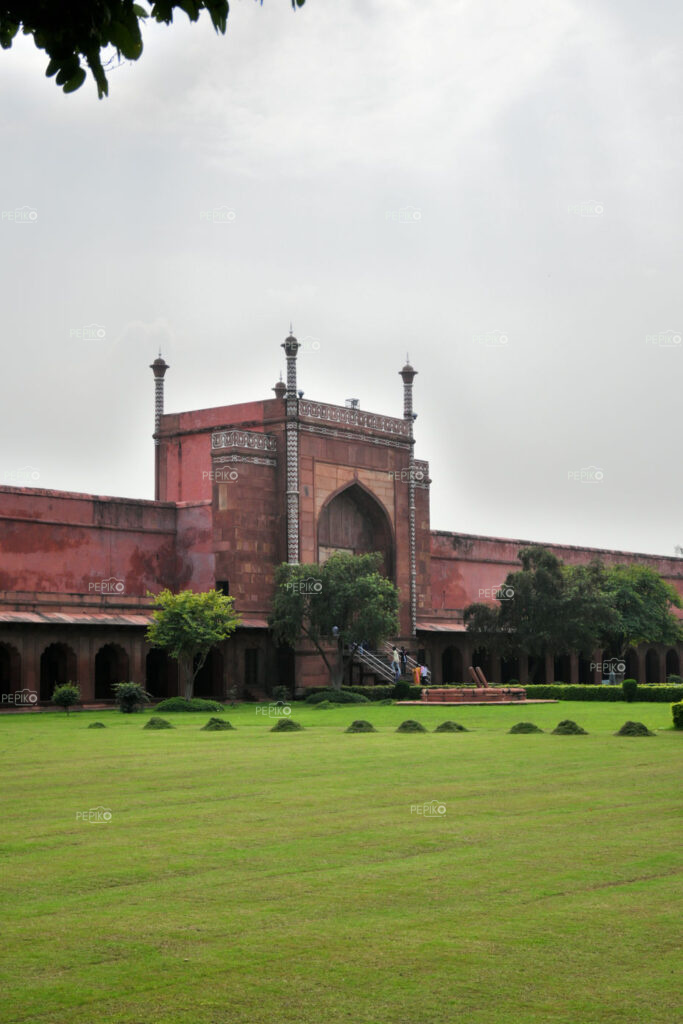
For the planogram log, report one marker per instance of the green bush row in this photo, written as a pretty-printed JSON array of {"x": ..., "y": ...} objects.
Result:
[
  {"x": 183, "y": 704},
  {"x": 677, "y": 712},
  {"x": 659, "y": 694}
]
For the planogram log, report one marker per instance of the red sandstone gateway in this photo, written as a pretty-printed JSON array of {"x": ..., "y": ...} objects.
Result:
[{"x": 239, "y": 489}]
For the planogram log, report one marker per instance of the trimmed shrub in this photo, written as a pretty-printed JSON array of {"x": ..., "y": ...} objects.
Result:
[
  {"x": 183, "y": 704},
  {"x": 66, "y": 695},
  {"x": 634, "y": 729},
  {"x": 524, "y": 727},
  {"x": 322, "y": 706},
  {"x": 287, "y": 725},
  {"x": 216, "y": 725},
  {"x": 568, "y": 728},
  {"x": 402, "y": 691},
  {"x": 130, "y": 697},
  {"x": 360, "y": 725},
  {"x": 281, "y": 693},
  {"x": 158, "y": 723},
  {"x": 677, "y": 712},
  {"x": 673, "y": 680},
  {"x": 97, "y": 725},
  {"x": 386, "y": 702},
  {"x": 410, "y": 725},
  {"x": 630, "y": 689},
  {"x": 650, "y": 693},
  {"x": 450, "y": 727},
  {"x": 336, "y": 697}
]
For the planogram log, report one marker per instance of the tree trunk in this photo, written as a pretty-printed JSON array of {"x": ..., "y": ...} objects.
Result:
[
  {"x": 338, "y": 667},
  {"x": 186, "y": 675}
]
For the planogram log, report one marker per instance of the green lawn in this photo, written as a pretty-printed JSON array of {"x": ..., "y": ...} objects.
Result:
[{"x": 255, "y": 878}]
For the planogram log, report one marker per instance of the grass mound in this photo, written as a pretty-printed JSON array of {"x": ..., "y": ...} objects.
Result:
[
  {"x": 450, "y": 727},
  {"x": 410, "y": 725},
  {"x": 634, "y": 729},
  {"x": 183, "y": 704},
  {"x": 158, "y": 723},
  {"x": 360, "y": 725},
  {"x": 337, "y": 697},
  {"x": 216, "y": 725},
  {"x": 385, "y": 702},
  {"x": 287, "y": 725},
  {"x": 568, "y": 728},
  {"x": 97, "y": 725},
  {"x": 525, "y": 727},
  {"x": 322, "y": 706}
]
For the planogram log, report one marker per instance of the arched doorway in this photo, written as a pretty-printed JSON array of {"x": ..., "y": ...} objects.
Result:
[
  {"x": 481, "y": 659},
  {"x": 509, "y": 669},
  {"x": 353, "y": 520},
  {"x": 562, "y": 668},
  {"x": 451, "y": 665},
  {"x": 631, "y": 662},
  {"x": 673, "y": 663},
  {"x": 57, "y": 666},
  {"x": 585, "y": 670},
  {"x": 285, "y": 667},
  {"x": 652, "y": 667},
  {"x": 10, "y": 671},
  {"x": 111, "y": 666},
  {"x": 161, "y": 674},
  {"x": 209, "y": 680}
]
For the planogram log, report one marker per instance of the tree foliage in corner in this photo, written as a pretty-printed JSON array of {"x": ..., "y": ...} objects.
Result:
[
  {"x": 348, "y": 592},
  {"x": 188, "y": 625},
  {"x": 71, "y": 31},
  {"x": 550, "y": 607}
]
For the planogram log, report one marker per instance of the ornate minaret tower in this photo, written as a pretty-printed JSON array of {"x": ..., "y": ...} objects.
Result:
[
  {"x": 408, "y": 374},
  {"x": 158, "y": 368},
  {"x": 291, "y": 347}
]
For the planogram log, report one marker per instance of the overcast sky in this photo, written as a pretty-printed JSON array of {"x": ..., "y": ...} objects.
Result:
[{"x": 493, "y": 187}]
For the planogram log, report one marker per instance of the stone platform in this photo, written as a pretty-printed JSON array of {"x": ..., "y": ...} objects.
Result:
[{"x": 472, "y": 694}]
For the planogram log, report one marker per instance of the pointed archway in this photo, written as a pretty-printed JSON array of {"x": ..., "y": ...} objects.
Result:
[
  {"x": 355, "y": 521},
  {"x": 57, "y": 666}
]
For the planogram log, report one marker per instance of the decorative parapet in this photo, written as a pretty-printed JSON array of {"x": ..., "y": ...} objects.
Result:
[
  {"x": 422, "y": 478},
  {"x": 354, "y": 418},
  {"x": 243, "y": 439}
]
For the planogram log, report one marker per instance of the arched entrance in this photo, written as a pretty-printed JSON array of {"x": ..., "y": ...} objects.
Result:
[
  {"x": 451, "y": 665},
  {"x": 353, "y": 520},
  {"x": 481, "y": 659},
  {"x": 209, "y": 680},
  {"x": 57, "y": 666},
  {"x": 673, "y": 663},
  {"x": 161, "y": 674},
  {"x": 111, "y": 666},
  {"x": 10, "y": 671},
  {"x": 652, "y": 667},
  {"x": 585, "y": 670},
  {"x": 509, "y": 669}
]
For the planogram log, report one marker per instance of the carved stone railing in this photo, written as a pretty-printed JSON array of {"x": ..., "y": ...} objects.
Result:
[
  {"x": 243, "y": 439},
  {"x": 353, "y": 418}
]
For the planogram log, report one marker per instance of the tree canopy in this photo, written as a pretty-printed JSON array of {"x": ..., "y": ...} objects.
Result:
[
  {"x": 348, "y": 593},
  {"x": 548, "y": 606},
  {"x": 75, "y": 31},
  {"x": 188, "y": 625}
]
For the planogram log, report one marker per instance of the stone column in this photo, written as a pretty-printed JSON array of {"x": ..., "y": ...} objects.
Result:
[
  {"x": 523, "y": 668},
  {"x": 574, "y": 668},
  {"x": 158, "y": 368},
  {"x": 291, "y": 347}
]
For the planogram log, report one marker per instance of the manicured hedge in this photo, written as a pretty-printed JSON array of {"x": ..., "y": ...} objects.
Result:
[
  {"x": 193, "y": 704},
  {"x": 677, "y": 712},
  {"x": 335, "y": 697},
  {"x": 650, "y": 693}
]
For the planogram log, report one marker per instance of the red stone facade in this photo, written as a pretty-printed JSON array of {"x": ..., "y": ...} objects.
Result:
[{"x": 236, "y": 487}]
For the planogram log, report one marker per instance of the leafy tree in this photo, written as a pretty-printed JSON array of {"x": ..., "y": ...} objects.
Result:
[
  {"x": 66, "y": 695},
  {"x": 73, "y": 30},
  {"x": 549, "y": 606},
  {"x": 188, "y": 625},
  {"x": 347, "y": 594}
]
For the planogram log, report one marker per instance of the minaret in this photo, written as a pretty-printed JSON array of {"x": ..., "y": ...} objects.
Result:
[
  {"x": 291, "y": 347},
  {"x": 158, "y": 368},
  {"x": 408, "y": 374}
]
